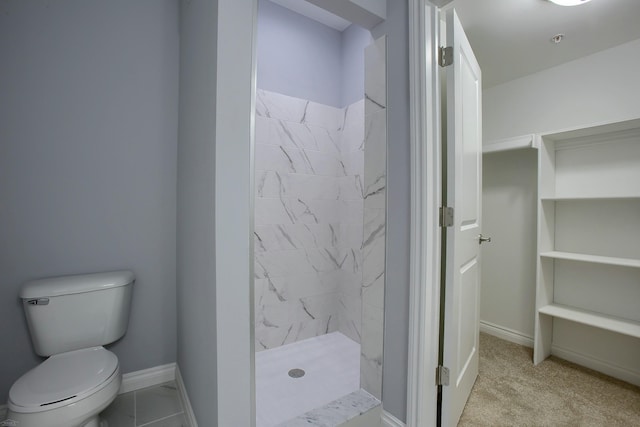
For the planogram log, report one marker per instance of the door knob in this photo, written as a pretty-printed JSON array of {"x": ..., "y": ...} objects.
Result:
[{"x": 481, "y": 239}]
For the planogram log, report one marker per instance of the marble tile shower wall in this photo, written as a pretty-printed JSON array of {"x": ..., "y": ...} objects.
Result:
[
  {"x": 309, "y": 165},
  {"x": 350, "y": 294}
]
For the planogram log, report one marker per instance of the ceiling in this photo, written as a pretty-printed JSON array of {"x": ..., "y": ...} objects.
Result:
[{"x": 512, "y": 38}]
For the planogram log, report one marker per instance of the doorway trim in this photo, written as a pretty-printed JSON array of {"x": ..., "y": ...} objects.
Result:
[
  {"x": 235, "y": 79},
  {"x": 426, "y": 179}
]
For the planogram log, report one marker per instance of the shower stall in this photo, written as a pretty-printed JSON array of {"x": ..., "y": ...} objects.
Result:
[{"x": 319, "y": 222}]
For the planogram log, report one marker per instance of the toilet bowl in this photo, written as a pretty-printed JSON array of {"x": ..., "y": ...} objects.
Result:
[
  {"x": 66, "y": 390},
  {"x": 70, "y": 319}
]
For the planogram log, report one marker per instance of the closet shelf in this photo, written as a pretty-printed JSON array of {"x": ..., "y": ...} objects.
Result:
[
  {"x": 596, "y": 259},
  {"x": 578, "y": 198},
  {"x": 516, "y": 143},
  {"x": 598, "y": 320}
]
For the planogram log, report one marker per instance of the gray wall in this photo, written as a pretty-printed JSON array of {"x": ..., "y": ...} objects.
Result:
[
  {"x": 509, "y": 216},
  {"x": 396, "y": 320},
  {"x": 196, "y": 291},
  {"x": 88, "y": 133},
  {"x": 300, "y": 57}
]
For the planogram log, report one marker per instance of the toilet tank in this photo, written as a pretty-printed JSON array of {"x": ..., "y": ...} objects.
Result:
[{"x": 81, "y": 311}]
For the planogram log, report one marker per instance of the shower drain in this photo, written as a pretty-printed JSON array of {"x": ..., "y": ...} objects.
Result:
[{"x": 296, "y": 373}]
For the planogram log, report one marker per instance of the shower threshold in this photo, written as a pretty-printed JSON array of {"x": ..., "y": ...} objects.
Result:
[{"x": 358, "y": 404}]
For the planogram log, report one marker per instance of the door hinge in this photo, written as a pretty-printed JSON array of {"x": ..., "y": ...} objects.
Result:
[
  {"x": 446, "y": 216},
  {"x": 445, "y": 56},
  {"x": 442, "y": 375}
]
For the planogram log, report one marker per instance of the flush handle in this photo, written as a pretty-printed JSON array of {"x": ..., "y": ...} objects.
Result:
[{"x": 38, "y": 301}]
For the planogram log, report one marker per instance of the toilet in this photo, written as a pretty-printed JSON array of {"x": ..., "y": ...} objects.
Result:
[{"x": 70, "y": 318}]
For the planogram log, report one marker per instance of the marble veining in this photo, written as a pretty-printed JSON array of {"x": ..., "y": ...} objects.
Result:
[
  {"x": 309, "y": 213},
  {"x": 337, "y": 412},
  {"x": 286, "y": 108}
]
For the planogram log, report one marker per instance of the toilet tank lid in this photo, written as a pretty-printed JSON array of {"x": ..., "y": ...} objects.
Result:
[{"x": 79, "y": 283}]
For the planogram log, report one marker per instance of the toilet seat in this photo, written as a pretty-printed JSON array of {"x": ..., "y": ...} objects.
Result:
[{"x": 63, "y": 379}]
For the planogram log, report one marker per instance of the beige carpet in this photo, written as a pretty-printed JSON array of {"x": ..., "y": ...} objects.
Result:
[{"x": 510, "y": 391}]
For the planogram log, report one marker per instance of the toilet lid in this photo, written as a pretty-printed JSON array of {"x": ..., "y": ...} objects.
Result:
[{"x": 63, "y": 377}]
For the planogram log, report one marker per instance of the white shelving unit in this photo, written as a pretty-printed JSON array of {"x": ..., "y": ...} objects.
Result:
[{"x": 588, "y": 268}]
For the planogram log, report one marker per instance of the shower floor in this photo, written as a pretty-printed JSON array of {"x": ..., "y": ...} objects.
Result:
[{"x": 332, "y": 369}]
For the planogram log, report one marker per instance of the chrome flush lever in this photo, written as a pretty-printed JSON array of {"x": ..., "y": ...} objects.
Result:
[{"x": 483, "y": 239}]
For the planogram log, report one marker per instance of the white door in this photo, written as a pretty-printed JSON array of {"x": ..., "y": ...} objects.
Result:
[{"x": 463, "y": 193}]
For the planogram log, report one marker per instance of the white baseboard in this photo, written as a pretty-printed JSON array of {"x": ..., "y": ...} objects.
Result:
[
  {"x": 147, "y": 377},
  {"x": 389, "y": 420},
  {"x": 506, "y": 334},
  {"x": 188, "y": 410},
  {"x": 607, "y": 368}
]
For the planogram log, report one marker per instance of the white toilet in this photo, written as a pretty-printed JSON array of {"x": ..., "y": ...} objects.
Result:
[{"x": 70, "y": 318}]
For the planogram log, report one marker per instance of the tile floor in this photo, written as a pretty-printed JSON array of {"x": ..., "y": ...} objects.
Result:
[
  {"x": 157, "y": 406},
  {"x": 332, "y": 366}
]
